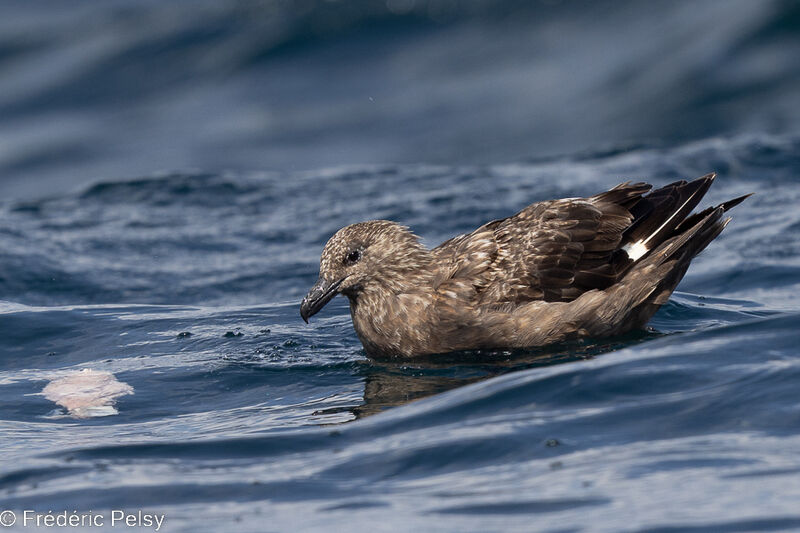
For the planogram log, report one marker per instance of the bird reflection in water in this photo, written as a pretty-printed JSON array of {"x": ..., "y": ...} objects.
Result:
[{"x": 391, "y": 384}]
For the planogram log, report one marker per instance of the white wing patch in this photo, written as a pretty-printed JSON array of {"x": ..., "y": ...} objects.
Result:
[{"x": 636, "y": 250}]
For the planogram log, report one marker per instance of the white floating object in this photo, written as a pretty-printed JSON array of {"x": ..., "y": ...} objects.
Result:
[{"x": 88, "y": 393}]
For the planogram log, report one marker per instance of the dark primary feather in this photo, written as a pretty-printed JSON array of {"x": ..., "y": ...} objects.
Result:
[{"x": 559, "y": 249}]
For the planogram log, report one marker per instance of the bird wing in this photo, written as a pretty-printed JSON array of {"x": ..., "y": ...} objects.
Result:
[{"x": 552, "y": 251}]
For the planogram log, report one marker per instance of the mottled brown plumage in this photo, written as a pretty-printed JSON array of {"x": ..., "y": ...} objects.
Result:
[{"x": 557, "y": 270}]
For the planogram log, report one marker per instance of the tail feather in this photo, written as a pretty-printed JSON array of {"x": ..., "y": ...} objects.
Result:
[
  {"x": 664, "y": 240},
  {"x": 665, "y": 267},
  {"x": 654, "y": 277}
]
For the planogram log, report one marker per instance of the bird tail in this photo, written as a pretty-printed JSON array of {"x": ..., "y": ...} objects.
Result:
[
  {"x": 664, "y": 267},
  {"x": 652, "y": 278}
]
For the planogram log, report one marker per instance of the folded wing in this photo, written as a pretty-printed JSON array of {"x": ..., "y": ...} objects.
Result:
[{"x": 557, "y": 250}]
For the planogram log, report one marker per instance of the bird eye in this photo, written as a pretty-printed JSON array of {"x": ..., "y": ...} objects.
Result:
[{"x": 352, "y": 257}]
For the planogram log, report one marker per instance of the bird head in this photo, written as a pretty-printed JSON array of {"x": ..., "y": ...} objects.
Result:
[{"x": 362, "y": 256}]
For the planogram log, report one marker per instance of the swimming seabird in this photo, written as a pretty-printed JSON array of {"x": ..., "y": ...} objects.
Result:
[{"x": 555, "y": 271}]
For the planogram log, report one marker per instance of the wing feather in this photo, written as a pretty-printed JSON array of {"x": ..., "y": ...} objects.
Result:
[{"x": 554, "y": 251}]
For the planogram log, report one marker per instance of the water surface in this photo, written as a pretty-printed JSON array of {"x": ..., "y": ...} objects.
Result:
[{"x": 187, "y": 286}]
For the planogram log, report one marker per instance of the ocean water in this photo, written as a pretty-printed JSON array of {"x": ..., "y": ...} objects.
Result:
[
  {"x": 187, "y": 287},
  {"x": 171, "y": 298}
]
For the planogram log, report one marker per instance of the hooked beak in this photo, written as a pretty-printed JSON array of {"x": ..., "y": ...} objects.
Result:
[{"x": 321, "y": 293}]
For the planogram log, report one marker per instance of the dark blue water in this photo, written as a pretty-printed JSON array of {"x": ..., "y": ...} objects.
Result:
[
  {"x": 185, "y": 284},
  {"x": 255, "y": 415}
]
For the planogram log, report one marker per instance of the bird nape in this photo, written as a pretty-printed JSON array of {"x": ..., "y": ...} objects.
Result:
[{"x": 555, "y": 271}]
